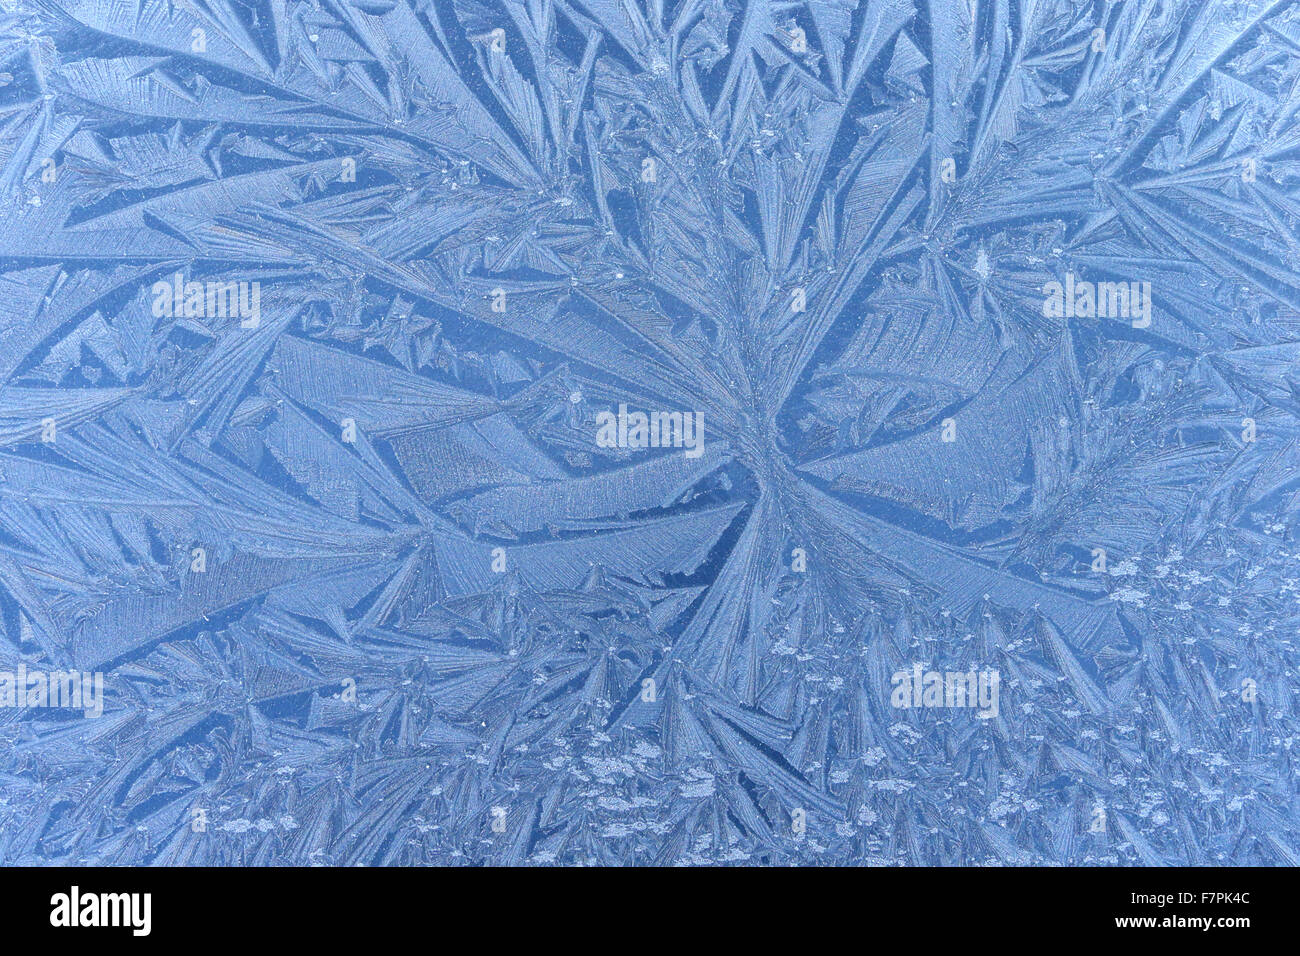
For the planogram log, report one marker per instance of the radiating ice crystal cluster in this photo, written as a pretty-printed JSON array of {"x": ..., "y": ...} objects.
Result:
[{"x": 649, "y": 431}]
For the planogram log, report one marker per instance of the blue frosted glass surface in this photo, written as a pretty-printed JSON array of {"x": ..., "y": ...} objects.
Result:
[{"x": 649, "y": 431}]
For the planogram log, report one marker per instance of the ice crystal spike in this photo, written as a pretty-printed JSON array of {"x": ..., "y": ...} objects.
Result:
[{"x": 648, "y": 431}]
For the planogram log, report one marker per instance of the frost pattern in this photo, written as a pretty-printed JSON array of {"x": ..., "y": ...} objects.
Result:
[{"x": 365, "y": 588}]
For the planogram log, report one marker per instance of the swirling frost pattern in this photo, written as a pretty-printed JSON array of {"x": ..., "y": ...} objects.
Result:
[{"x": 365, "y": 585}]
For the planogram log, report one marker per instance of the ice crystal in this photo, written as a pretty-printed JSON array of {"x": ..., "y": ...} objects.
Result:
[{"x": 577, "y": 431}]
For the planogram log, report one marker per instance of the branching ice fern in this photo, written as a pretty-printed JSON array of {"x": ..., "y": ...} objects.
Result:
[{"x": 366, "y": 588}]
